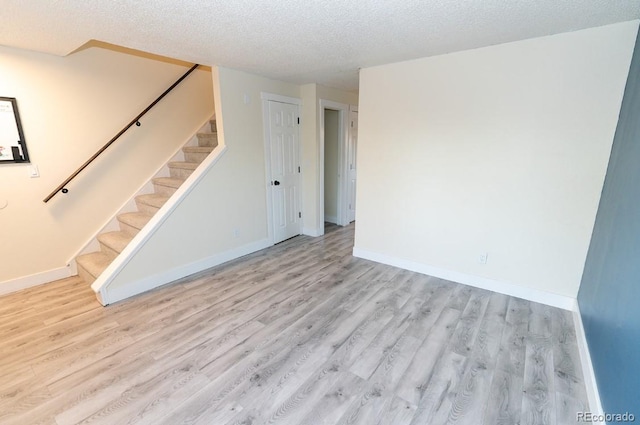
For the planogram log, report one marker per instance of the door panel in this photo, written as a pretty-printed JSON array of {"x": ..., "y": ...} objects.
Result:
[{"x": 285, "y": 177}]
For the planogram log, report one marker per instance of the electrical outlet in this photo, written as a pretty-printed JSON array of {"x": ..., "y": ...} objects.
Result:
[
  {"x": 483, "y": 258},
  {"x": 236, "y": 233}
]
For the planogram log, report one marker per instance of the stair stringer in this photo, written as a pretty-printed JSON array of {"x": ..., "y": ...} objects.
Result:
[{"x": 101, "y": 285}]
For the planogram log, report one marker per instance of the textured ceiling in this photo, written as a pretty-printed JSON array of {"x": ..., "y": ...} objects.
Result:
[{"x": 298, "y": 41}]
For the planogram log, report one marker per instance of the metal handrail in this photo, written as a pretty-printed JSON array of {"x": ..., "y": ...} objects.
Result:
[{"x": 135, "y": 121}]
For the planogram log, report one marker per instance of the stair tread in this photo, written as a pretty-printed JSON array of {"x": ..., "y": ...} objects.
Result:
[
  {"x": 115, "y": 240},
  {"x": 135, "y": 219},
  {"x": 184, "y": 165},
  {"x": 198, "y": 149},
  {"x": 153, "y": 199},
  {"x": 94, "y": 263},
  {"x": 207, "y": 139},
  {"x": 168, "y": 181}
]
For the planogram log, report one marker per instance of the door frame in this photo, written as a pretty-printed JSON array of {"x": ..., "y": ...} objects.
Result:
[
  {"x": 352, "y": 109},
  {"x": 266, "y": 98},
  {"x": 343, "y": 137}
]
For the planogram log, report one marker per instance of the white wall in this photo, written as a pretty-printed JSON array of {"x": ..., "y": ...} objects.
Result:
[
  {"x": 231, "y": 196},
  {"x": 500, "y": 150},
  {"x": 70, "y": 106},
  {"x": 331, "y": 168}
]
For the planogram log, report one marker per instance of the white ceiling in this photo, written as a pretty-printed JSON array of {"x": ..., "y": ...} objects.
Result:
[{"x": 298, "y": 41}]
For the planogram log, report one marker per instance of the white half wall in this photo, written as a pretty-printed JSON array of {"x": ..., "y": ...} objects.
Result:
[{"x": 499, "y": 151}]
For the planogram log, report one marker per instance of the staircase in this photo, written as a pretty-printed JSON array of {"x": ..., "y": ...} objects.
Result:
[{"x": 91, "y": 265}]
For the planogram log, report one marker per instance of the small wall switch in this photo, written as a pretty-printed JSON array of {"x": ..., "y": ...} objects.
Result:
[
  {"x": 236, "y": 233},
  {"x": 33, "y": 171},
  {"x": 483, "y": 258}
]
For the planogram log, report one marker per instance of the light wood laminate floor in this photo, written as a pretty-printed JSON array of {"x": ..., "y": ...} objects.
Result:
[{"x": 300, "y": 333}]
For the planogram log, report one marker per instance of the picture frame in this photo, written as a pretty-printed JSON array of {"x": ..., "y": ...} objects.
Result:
[{"x": 13, "y": 146}]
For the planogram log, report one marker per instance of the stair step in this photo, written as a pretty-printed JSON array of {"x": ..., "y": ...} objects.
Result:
[
  {"x": 132, "y": 222},
  {"x": 150, "y": 203},
  {"x": 196, "y": 153},
  {"x": 112, "y": 243},
  {"x": 207, "y": 139},
  {"x": 90, "y": 266},
  {"x": 185, "y": 165},
  {"x": 182, "y": 169},
  {"x": 166, "y": 185},
  {"x": 198, "y": 149}
]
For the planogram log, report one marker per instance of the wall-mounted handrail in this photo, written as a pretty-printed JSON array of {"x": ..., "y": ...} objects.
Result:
[{"x": 136, "y": 121}]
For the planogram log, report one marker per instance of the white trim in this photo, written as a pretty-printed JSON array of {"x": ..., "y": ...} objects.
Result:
[
  {"x": 101, "y": 285},
  {"x": 353, "y": 109},
  {"x": 595, "y": 405},
  {"x": 343, "y": 119},
  {"x": 280, "y": 98},
  {"x": 536, "y": 295},
  {"x": 20, "y": 283},
  {"x": 161, "y": 279}
]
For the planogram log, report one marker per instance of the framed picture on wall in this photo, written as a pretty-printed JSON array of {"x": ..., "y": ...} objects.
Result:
[{"x": 13, "y": 147}]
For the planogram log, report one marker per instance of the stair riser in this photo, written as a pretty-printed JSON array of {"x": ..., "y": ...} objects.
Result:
[
  {"x": 214, "y": 127},
  {"x": 112, "y": 253},
  {"x": 128, "y": 229},
  {"x": 179, "y": 173},
  {"x": 85, "y": 275},
  {"x": 164, "y": 190},
  {"x": 146, "y": 208},
  {"x": 210, "y": 140},
  {"x": 195, "y": 156}
]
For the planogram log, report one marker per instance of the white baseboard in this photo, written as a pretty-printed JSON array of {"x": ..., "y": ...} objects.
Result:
[
  {"x": 595, "y": 405},
  {"x": 535, "y": 295},
  {"x": 25, "y": 282},
  {"x": 312, "y": 232},
  {"x": 111, "y": 295}
]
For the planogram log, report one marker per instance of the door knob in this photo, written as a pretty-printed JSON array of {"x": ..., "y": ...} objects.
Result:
[{"x": 276, "y": 183}]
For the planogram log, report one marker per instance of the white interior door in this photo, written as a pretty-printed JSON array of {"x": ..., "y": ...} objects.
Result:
[
  {"x": 285, "y": 171},
  {"x": 351, "y": 166}
]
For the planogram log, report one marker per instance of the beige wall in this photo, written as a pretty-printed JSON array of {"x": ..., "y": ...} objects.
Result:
[
  {"x": 500, "y": 150},
  {"x": 311, "y": 95},
  {"x": 331, "y": 146},
  {"x": 70, "y": 106},
  {"x": 230, "y": 197}
]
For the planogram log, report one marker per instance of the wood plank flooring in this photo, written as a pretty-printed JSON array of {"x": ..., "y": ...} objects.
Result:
[{"x": 300, "y": 333}]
